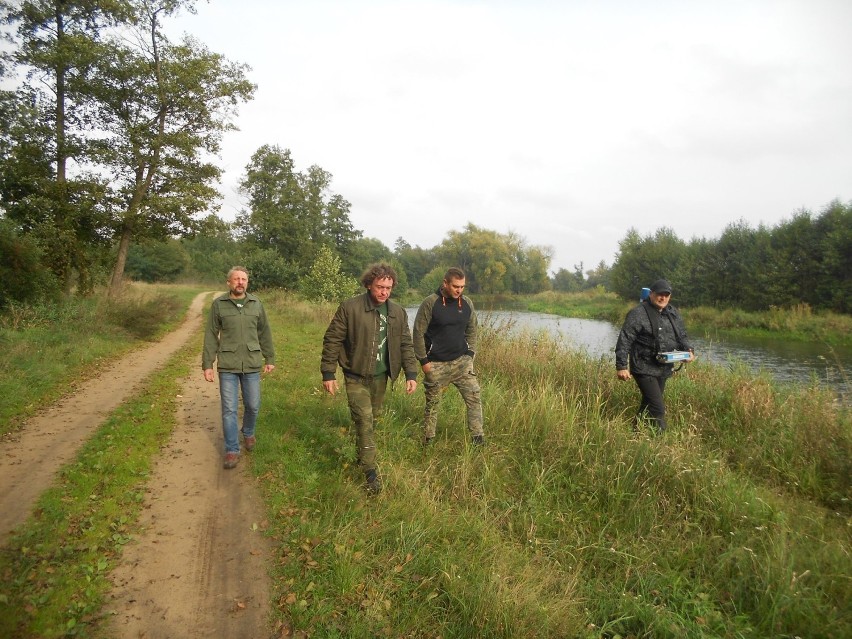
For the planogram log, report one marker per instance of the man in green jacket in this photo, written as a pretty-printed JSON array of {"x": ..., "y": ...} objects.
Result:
[
  {"x": 369, "y": 338},
  {"x": 238, "y": 337}
]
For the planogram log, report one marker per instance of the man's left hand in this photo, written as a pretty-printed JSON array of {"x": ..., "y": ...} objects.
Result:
[{"x": 410, "y": 386}]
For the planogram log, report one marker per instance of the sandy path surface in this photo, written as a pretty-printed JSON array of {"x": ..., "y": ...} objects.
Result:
[{"x": 197, "y": 568}]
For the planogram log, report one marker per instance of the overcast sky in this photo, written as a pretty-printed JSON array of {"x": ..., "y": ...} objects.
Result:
[{"x": 566, "y": 122}]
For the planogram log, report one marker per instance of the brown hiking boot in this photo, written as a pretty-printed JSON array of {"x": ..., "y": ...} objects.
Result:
[
  {"x": 250, "y": 442},
  {"x": 231, "y": 460}
]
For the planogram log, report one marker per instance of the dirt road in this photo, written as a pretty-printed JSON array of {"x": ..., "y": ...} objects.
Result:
[{"x": 197, "y": 567}]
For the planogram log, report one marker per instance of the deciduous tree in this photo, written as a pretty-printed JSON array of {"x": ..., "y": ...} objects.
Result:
[
  {"x": 165, "y": 108},
  {"x": 53, "y": 47},
  {"x": 294, "y": 213}
]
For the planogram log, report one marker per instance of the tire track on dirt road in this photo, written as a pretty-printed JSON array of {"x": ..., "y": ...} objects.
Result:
[{"x": 199, "y": 568}]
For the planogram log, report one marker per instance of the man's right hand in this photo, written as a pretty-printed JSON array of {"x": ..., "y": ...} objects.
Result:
[
  {"x": 330, "y": 386},
  {"x": 623, "y": 374},
  {"x": 209, "y": 375}
]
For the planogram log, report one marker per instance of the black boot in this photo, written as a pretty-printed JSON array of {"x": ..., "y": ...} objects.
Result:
[{"x": 374, "y": 484}]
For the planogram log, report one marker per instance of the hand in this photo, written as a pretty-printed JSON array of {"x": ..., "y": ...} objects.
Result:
[
  {"x": 269, "y": 368},
  {"x": 691, "y": 356},
  {"x": 427, "y": 367},
  {"x": 330, "y": 386},
  {"x": 209, "y": 375},
  {"x": 623, "y": 374},
  {"x": 410, "y": 386}
]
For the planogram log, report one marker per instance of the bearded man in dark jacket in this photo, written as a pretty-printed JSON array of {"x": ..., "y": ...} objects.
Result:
[{"x": 653, "y": 327}]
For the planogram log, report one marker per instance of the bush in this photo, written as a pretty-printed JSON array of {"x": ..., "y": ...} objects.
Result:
[
  {"x": 143, "y": 318},
  {"x": 325, "y": 282},
  {"x": 268, "y": 269},
  {"x": 25, "y": 279},
  {"x": 157, "y": 261}
]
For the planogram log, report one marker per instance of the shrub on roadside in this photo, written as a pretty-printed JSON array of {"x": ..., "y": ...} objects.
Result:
[
  {"x": 325, "y": 282},
  {"x": 24, "y": 277},
  {"x": 143, "y": 318}
]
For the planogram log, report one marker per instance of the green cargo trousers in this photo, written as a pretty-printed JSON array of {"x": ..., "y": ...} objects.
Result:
[
  {"x": 460, "y": 374},
  {"x": 365, "y": 396}
]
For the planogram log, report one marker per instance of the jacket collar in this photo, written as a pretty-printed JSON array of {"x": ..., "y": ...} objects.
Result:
[{"x": 227, "y": 296}]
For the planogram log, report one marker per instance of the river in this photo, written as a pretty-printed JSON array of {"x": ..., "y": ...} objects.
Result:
[{"x": 784, "y": 360}]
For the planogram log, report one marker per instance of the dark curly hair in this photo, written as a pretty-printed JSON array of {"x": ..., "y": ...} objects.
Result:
[{"x": 378, "y": 271}]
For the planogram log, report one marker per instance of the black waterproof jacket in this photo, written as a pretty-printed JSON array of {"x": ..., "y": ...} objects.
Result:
[{"x": 636, "y": 347}]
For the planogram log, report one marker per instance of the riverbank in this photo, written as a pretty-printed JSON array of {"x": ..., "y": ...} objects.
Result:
[
  {"x": 567, "y": 523},
  {"x": 801, "y": 323}
]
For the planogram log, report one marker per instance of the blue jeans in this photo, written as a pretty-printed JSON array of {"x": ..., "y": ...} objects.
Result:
[{"x": 229, "y": 389}]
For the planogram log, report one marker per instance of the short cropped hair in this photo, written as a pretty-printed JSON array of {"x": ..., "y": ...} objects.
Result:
[
  {"x": 454, "y": 273},
  {"x": 378, "y": 271},
  {"x": 234, "y": 269}
]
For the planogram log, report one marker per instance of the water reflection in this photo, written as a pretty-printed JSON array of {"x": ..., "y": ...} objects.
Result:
[{"x": 785, "y": 361}]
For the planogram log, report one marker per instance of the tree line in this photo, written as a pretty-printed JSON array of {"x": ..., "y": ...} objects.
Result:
[
  {"x": 296, "y": 234},
  {"x": 805, "y": 259},
  {"x": 108, "y": 168}
]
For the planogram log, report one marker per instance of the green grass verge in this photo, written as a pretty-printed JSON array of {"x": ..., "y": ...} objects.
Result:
[
  {"x": 55, "y": 569},
  {"x": 47, "y": 350}
]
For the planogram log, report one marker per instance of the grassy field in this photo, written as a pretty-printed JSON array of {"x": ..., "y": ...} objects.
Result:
[{"x": 569, "y": 523}]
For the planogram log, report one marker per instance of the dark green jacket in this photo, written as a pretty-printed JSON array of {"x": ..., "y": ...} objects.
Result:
[
  {"x": 351, "y": 340},
  {"x": 238, "y": 339}
]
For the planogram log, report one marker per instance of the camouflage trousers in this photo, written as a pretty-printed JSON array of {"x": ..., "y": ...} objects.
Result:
[
  {"x": 460, "y": 374},
  {"x": 366, "y": 397}
]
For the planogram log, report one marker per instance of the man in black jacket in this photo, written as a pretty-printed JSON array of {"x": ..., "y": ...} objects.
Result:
[
  {"x": 445, "y": 330},
  {"x": 651, "y": 328}
]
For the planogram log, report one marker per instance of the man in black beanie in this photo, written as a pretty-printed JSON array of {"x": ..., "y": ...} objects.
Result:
[{"x": 651, "y": 328}]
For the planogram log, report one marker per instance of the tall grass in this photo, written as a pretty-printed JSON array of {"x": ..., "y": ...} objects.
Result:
[
  {"x": 799, "y": 322},
  {"x": 568, "y": 523},
  {"x": 47, "y": 348}
]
